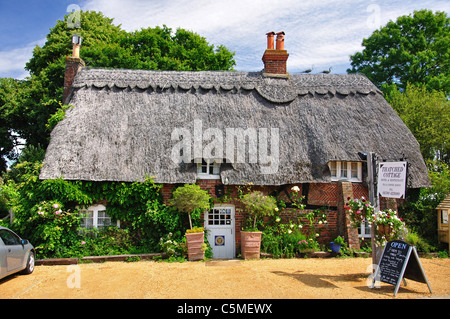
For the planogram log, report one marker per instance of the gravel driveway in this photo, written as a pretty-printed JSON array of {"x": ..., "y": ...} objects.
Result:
[{"x": 234, "y": 279}]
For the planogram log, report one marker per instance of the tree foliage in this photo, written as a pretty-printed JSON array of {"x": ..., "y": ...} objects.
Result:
[
  {"x": 427, "y": 115},
  {"x": 409, "y": 60},
  {"x": 190, "y": 198},
  {"x": 27, "y": 105},
  {"x": 139, "y": 206},
  {"x": 259, "y": 205},
  {"x": 414, "y": 49}
]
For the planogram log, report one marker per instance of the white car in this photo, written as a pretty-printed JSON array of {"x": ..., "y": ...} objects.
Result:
[{"x": 16, "y": 254}]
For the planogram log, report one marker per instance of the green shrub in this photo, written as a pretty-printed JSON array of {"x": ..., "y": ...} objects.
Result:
[
  {"x": 258, "y": 205},
  {"x": 139, "y": 206},
  {"x": 414, "y": 239},
  {"x": 190, "y": 198}
]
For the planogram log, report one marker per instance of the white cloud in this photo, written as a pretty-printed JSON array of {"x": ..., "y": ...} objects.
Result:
[
  {"x": 316, "y": 32},
  {"x": 320, "y": 33},
  {"x": 12, "y": 62}
]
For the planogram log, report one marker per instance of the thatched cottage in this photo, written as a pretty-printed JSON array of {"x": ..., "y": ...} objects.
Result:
[{"x": 223, "y": 129}]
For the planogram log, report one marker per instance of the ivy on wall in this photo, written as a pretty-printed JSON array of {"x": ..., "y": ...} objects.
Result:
[{"x": 139, "y": 206}]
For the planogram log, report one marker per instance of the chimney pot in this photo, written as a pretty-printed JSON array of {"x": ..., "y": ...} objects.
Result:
[
  {"x": 280, "y": 40},
  {"x": 76, "y": 43},
  {"x": 270, "y": 43}
]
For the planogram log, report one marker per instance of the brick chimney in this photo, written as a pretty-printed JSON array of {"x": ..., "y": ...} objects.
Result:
[
  {"x": 73, "y": 65},
  {"x": 275, "y": 58}
]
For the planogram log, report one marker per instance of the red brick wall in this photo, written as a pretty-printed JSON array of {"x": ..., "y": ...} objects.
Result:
[
  {"x": 275, "y": 61},
  {"x": 73, "y": 65},
  {"x": 325, "y": 194}
]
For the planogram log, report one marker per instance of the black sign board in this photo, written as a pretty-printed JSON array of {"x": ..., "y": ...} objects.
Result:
[{"x": 398, "y": 261}]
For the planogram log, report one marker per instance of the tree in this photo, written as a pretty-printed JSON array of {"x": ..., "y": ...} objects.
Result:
[
  {"x": 8, "y": 138},
  {"x": 427, "y": 115},
  {"x": 104, "y": 45},
  {"x": 415, "y": 49},
  {"x": 189, "y": 198},
  {"x": 259, "y": 205}
]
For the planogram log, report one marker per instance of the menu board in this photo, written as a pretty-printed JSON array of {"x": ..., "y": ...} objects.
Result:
[
  {"x": 392, "y": 261},
  {"x": 398, "y": 261}
]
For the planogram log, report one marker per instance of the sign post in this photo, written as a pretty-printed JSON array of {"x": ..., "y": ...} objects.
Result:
[{"x": 399, "y": 261}]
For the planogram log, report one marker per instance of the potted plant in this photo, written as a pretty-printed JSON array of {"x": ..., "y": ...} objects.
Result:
[
  {"x": 336, "y": 244},
  {"x": 359, "y": 209},
  {"x": 187, "y": 199},
  {"x": 388, "y": 226},
  {"x": 258, "y": 205}
]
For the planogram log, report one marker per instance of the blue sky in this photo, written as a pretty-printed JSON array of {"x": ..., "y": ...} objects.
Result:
[{"x": 319, "y": 34}]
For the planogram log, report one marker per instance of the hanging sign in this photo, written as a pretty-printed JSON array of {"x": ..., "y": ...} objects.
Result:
[
  {"x": 392, "y": 179},
  {"x": 399, "y": 261}
]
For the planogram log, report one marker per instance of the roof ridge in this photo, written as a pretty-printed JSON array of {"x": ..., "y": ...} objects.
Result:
[{"x": 272, "y": 89}]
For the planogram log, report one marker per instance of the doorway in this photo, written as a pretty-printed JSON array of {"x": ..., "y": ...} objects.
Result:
[{"x": 219, "y": 222}]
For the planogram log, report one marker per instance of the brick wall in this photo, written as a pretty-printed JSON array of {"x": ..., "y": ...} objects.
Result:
[
  {"x": 323, "y": 194},
  {"x": 73, "y": 65},
  {"x": 319, "y": 194},
  {"x": 275, "y": 61}
]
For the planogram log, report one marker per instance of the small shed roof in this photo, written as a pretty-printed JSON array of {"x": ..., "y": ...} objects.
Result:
[{"x": 445, "y": 204}]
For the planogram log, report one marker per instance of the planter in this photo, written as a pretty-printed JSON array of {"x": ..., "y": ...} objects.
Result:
[
  {"x": 250, "y": 244},
  {"x": 194, "y": 243},
  {"x": 335, "y": 247},
  {"x": 384, "y": 230}
]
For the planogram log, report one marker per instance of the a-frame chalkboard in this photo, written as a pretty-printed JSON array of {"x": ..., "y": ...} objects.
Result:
[{"x": 398, "y": 261}]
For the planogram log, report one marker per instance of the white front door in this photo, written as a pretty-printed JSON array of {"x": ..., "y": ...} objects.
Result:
[{"x": 219, "y": 222}]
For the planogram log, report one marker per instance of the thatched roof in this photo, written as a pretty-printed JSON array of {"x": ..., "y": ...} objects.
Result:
[{"x": 121, "y": 125}]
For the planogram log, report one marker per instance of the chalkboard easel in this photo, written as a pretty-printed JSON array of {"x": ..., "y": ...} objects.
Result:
[{"x": 399, "y": 261}]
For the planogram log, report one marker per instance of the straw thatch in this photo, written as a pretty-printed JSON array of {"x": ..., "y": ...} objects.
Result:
[{"x": 122, "y": 121}]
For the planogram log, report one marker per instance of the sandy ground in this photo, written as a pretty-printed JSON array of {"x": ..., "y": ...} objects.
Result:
[{"x": 234, "y": 279}]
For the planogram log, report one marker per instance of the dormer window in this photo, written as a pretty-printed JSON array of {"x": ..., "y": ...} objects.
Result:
[
  {"x": 350, "y": 171},
  {"x": 208, "y": 169}
]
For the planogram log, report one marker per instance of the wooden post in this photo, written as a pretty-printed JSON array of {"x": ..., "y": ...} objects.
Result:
[{"x": 373, "y": 198}]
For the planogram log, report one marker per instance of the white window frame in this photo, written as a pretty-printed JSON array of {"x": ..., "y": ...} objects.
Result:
[
  {"x": 208, "y": 164},
  {"x": 364, "y": 232},
  {"x": 346, "y": 167},
  {"x": 95, "y": 209}
]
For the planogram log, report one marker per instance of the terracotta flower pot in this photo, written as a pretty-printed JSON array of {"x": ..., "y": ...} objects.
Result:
[
  {"x": 194, "y": 243},
  {"x": 251, "y": 244}
]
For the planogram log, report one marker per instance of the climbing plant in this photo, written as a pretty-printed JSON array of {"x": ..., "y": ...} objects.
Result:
[{"x": 139, "y": 206}]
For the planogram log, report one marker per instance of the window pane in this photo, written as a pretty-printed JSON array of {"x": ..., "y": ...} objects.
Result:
[
  {"x": 88, "y": 219},
  {"x": 332, "y": 166},
  {"x": 444, "y": 217},
  {"x": 343, "y": 169},
  {"x": 354, "y": 170},
  {"x": 103, "y": 220},
  {"x": 216, "y": 169},
  {"x": 9, "y": 239}
]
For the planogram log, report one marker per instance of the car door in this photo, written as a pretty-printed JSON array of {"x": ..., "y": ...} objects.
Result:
[
  {"x": 15, "y": 252},
  {"x": 3, "y": 264}
]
